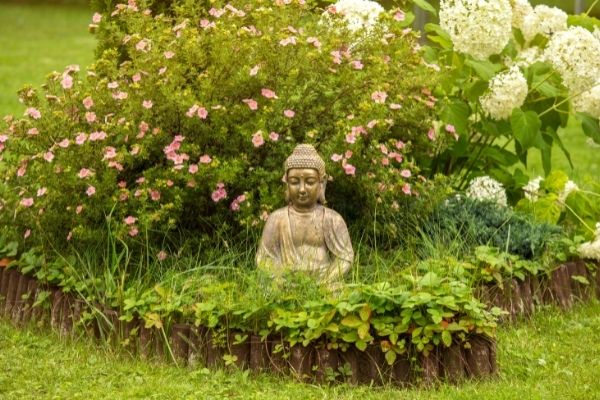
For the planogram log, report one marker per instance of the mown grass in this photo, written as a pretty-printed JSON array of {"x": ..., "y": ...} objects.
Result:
[
  {"x": 553, "y": 356},
  {"x": 36, "y": 39}
]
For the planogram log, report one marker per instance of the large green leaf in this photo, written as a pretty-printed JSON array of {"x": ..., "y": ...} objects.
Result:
[
  {"x": 423, "y": 4},
  {"x": 484, "y": 69},
  {"x": 526, "y": 127},
  {"x": 456, "y": 112},
  {"x": 590, "y": 126},
  {"x": 585, "y": 21}
]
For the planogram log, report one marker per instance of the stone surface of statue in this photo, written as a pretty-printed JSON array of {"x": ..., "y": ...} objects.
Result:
[{"x": 305, "y": 235}]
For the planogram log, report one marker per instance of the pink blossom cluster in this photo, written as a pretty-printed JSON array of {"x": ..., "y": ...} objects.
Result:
[
  {"x": 235, "y": 204},
  {"x": 171, "y": 151},
  {"x": 220, "y": 193}
]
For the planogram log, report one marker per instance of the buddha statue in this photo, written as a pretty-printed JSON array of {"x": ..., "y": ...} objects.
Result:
[{"x": 305, "y": 235}]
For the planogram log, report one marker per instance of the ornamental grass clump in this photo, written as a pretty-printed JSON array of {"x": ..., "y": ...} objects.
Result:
[{"x": 184, "y": 120}]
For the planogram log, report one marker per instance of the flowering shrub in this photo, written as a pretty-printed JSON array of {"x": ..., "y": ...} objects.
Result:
[
  {"x": 515, "y": 77},
  {"x": 186, "y": 124},
  {"x": 591, "y": 250}
]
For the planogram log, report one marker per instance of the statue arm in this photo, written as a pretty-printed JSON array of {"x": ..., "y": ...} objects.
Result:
[
  {"x": 268, "y": 254},
  {"x": 339, "y": 245}
]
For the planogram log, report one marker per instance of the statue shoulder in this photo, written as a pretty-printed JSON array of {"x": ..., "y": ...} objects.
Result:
[
  {"x": 333, "y": 216},
  {"x": 277, "y": 215}
]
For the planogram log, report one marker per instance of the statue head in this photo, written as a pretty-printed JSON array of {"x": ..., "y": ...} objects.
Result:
[{"x": 305, "y": 177}]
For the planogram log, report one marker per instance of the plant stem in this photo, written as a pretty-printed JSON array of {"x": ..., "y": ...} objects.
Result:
[
  {"x": 543, "y": 80},
  {"x": 591, "y": 8}
]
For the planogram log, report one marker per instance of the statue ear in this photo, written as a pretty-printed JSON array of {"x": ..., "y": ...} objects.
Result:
[
  {"x": 321, "y": 198},
  {"x": 287, "y": 194}
]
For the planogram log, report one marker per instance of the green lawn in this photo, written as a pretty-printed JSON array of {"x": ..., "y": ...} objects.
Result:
[
  {"x": 36, "y": 39},
  {"x": 553, "y": 356}
]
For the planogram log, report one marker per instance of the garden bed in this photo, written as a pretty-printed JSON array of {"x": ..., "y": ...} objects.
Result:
[{"x": 25, "y": 300}]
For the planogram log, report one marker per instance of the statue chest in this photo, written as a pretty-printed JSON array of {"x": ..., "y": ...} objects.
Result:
[{"x": 307, "y": 230}]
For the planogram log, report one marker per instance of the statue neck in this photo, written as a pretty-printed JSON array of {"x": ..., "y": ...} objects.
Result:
[{"x": 304, "y": 210}]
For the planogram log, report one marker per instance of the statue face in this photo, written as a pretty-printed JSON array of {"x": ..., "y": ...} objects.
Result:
[{"x": 303, "y": 187}]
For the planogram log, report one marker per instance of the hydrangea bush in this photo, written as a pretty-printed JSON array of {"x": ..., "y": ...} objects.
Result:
[
  {"x": 515, "y": 77},
  {"x": 185, "y": 125}
]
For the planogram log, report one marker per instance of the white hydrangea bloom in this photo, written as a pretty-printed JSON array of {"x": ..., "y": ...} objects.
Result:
[
  {"x": 574, "y": 53},
  {"x": 357, "y": 14},
  {"x": 532, "y": 189},
  {"x": 589, "y": 101},
  {"x": 507, "y": 91},
  {"x": 543, "y": 20},
  {"x": 486, "y": 188},
  {"x": 479, "y": 28},
  {"x": 591, "y": 250},
  {"x": 520, "y": 9},
  {"x": 569, "y": 188}
]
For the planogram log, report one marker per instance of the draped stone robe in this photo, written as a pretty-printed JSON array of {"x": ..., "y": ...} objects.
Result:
[{"x": 325, "y": 249}]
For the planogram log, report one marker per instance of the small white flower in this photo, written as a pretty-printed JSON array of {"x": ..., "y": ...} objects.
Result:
[
  {"x": 532, "y": 189},
  {"x": 589, "y": 101},
  {"x": 486, "y": 188},
  {"x": 569, "y": 188},
  {"x": 591, "y": 250},
  {"x": 507, "y": 91}
]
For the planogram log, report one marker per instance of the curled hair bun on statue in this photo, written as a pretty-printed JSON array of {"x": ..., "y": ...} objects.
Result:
[{"x": 305, "y": 156}]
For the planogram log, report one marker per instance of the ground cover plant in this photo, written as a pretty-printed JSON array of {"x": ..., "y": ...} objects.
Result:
[{"x": 110, "y": 245}]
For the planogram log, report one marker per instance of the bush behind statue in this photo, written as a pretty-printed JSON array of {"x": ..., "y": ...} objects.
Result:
[{"x": 186, "y": 126}]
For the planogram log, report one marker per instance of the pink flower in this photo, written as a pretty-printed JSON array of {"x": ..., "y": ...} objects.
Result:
[
  {"x": 130, "y": 220},
  {"x": 27, "y": 234},
  {"x": 192, "y": 110},
  {"x": 349, "y": 169},
  {"x": 42, "y": 191},
  {"x": 202, "y": 113},
  {"x": 395, "y": 106},
  {"x": 155, "y": 195},
  {"x": 336, "y": 57},
  {"x": 109, "y": 152},
  {"x": 254, "y": 70},
  {"x": 3, "y": 138},
  {"x": 96, "y": 18},
  {"x": 399, "y": 15},
  {"x": 371, "y": 124},
  {"x": 123, "y": 196},
  {"x": 287, "y": 41},
  {"x": 268, "y": 93},
  {"x": 193, "y": 168},
  {"x": 135, "y": 149},
  {"x": 235, "y": 204},
  {"x": 216, "y": 12},
  {"x": 133, "y": 232},
  {"x": 406, "y": 189},
  {"x": 357, "y": 130},
  {"x": 168, "y": 54},
  {"x": 205, "y": 159},
  {"x": 314, "y": 41},
  {"x": 379, "y": 96},
  {"x": 385, "y": 161},
  {"x": 70, "y": 235},
  {"x": 94, "y": 136},
  {"x": 112, "y": 85},
  {"x": 49, "y": 156},
  {"x": 400, "y": 145},
  {"x": 351, "y": 138},
  {"x": 22, "y": 169},
  {"x": 90, "y": 117},
  {"x": 356, "y": 64},
  {"x": 122, "y": 184},
  {"x": 64, "y": 143},
  {"x": 162, "y": 70},
  {"x": 450, "y": 128},
  {"x": 78, "y": 209},
  {"x": 90, "y": 191},
  {"x": 143, "y": 45},
  {"x": 67, "y": 82},
  {"x": 289, "y": 113},
  {"x": 33, "y": 131},
  {"x": 431, "y": 134},
  {"x": 27, "y": 202},
  {"x": 140, "y": 180},
  {"x": 274, "y": 136},
  {"x": 348, "y": 154},
  {"x": 220, "y": 193},
  {"x": 147, "y": 104},
  {"x": 206, "y": 24},
  {"x": 251, "y": 103},
  {"x": 162, "y": 255},
  {"x": 405, "y": 173},
  {"x": 136, "y": 77},
  {"x": 33, "y": 113},
  {"x": 169, "y": 183},
  {"x": 336, "y": 157},
  {"x": 80, "y": 139},
  {"x": 383, "y": 148},
  {"x": 115, "y": 165},
  {"x": 257, "y": 139},
  {"x": 120, "y": 95}
]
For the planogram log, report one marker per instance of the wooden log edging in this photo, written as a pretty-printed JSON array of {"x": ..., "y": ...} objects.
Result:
[
  {"x": 562, "y": 287},
  {"x": 187, "y": 344}
]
